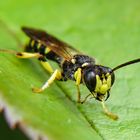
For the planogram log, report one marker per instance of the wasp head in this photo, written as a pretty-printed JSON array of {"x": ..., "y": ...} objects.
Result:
[{"x": 99, "y": 80}]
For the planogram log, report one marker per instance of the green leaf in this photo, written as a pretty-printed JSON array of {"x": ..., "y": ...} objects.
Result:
[
  {"x": 51, "y": 114},
  {"x": 108, "y": 30}
]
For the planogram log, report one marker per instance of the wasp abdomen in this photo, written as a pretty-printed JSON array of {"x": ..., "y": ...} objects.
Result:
[{"x": 35, "y": 46}]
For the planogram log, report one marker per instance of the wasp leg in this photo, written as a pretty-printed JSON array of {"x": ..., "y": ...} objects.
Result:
[
  {"x": 91, "y": 94},
  {"x": 21, "y": 54},
  {"x": 56, "y": 75},
  {"x": 78, "y": 94},
  {"x": 108, "y": 113},
  {"x": 27, "y": 55},
  {"x": 43, "y": 62},
  {"x": 46, "y": 64},
  {"x": 85, "y": 99},
  {"x": 78, "y": 76}
]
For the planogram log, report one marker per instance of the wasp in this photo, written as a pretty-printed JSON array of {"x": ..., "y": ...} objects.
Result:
[{"x": 73, "y": 65}]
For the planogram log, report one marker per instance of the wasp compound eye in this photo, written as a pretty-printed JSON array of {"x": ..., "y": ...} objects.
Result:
[
  {"x": 89, "y": 78},
  {"x": 112, "y": 78}
]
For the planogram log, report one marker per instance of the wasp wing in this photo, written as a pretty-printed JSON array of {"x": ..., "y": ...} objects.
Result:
[{"x": 59, "y": 47}]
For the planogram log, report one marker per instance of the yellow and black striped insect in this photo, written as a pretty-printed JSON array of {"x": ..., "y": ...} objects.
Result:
[{"x": 73, "y": 65}]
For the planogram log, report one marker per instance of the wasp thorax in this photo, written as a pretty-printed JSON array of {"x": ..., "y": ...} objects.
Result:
[{"x": 98, "y": 79}]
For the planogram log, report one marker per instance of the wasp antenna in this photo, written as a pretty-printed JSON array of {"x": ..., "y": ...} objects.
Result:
[
  {"x": 8, "y": 51},
  {"x": 126, "y": 64},
  {"x": 10, "y": 31}
]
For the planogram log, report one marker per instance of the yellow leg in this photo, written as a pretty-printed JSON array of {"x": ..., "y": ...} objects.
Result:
[
  {"x": 24, "y": 55},
  {"x": 21, "y": 54},
  {"x": 56, "y": 75},
  {"x": 108, "y": 113},
  {"x": 47, "y": 66},
  {"x": 27, "y": 55},
  {"x": 78, "y": 76}
]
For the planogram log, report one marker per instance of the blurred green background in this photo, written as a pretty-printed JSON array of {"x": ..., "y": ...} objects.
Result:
[{"x": 108, "y": 30}]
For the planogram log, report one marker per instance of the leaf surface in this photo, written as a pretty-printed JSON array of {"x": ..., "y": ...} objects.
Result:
[{"x": 107, "y": 30}]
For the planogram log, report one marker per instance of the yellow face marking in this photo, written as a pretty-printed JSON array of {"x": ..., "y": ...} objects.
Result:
[
  {"x": 102, "y": 86},
  {"x": 98, "y": 83}
]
